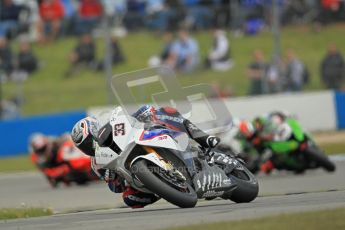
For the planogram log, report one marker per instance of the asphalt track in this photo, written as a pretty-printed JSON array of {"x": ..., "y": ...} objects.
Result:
[{"x": 279, "y": 193}]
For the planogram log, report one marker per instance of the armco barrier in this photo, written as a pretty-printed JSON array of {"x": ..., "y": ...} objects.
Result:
[
  {"x": 340, "y": 108},
  {"x": 315, "y": 110},
  {"x": 14, "y": 135}
]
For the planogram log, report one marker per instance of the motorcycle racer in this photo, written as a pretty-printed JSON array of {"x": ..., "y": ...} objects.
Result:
[
  {"x": 44, "y": 154},
  {"x": 86, "y": 134},
  {"x": 59, "y": 160}
]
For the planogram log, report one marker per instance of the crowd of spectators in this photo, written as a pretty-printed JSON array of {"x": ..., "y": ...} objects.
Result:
[
  {"x": 84, "y": 55},
  {"x": 182, "y": 53},
  {"x": 47, "y": 19},
  {"x": 293, "y": 74}
]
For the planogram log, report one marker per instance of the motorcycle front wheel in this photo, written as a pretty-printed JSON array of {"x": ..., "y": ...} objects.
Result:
[{"x": 154, "y": 179}]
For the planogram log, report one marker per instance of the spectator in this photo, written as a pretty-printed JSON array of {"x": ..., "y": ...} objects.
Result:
[
  {"x": 332, "y": 68},
  {"x": 272, "y": 83},
  {"x": 294, "y": 72},
  {"x": 219, "y": 57},
  {"x": 117, "y": 55},
  {"x": 70, "y": 11},
  {"x": 176, "y": 13},
  {"x": 157, "y": 15},
  {"x": 135, "y": 16},
  {"x": 90, "y": 12},
  {"x": 83, "y": 55},
  {"x": 51, "y": 12},
  {"x": 9, "y": 17},
  {"x": 27, "y": 61},
  {"x": 9, "y": 110},
  {"x": 330, "y": 11},
  {"x": 184, "y": 55},
  {"x": 168, "y": 43},
  {"x": 257, "y": 73},
  {"x": 199, "y": 13},
  {"x": 6, "y": 57}
]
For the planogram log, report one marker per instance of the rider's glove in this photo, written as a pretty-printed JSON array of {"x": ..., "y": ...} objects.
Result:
[
  {"x": 109, "y": 175},
  {"x": 115, "y": 183},
  {"x": 212, "y": 141}
]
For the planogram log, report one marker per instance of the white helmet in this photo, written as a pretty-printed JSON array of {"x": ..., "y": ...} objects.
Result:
[{"x": 84, "y": 133}]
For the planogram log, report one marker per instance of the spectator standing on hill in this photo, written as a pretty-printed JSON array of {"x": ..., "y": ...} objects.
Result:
[
  {"x": 184, "y": 55},
  {"x": 199, "y": 13},
  {"x": 333, "y": 68},
  {"x": 26, "y": 60},
  {"x": 9, "y": 17},
  {"x": 89, "y": 15},
  {"x": 135, "y": 16},
  {"x": 157, "y": 15},
  {"x": 83, "y": 55},
  {"x": 9, "y": 110},
  {"x": 52, "y": 13},
  {"x": 257, "y": 72},
  {"x": 331, "y": 10},
  {"x": 294, "y": 73},
  {"x": 117, "y": 54},
  {"x": 219, "y": 56},
  {"x": 70, "y": 12},
  {"x": 6, "y": 58}
]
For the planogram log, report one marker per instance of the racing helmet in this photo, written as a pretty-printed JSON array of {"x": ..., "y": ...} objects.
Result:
[
  {"x": 246, "y": 128},
  {"x": 39, "y": 144},
  {"x": 84, "y": 133},
  {"x": 145, "y": 113},
  {"x": 259, "y": 123},
  {"x": 277, "y": 117}
]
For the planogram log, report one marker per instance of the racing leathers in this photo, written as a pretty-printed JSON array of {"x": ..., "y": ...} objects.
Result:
[{"x": 46, "y": 156}]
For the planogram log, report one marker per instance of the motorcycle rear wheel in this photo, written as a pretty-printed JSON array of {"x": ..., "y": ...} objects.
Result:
[
  {"x": 321, "y": 159},
  {"x": 247, "y": 186}
]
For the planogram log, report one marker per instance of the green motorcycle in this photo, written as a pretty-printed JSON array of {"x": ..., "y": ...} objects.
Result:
[{"x": 298, "y": 152}]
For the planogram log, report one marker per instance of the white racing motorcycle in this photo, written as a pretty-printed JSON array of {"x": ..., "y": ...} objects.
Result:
[{"x": 155, "y": 159}]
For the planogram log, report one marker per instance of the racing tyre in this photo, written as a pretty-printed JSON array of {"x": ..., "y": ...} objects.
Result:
[
  {"x": 321, "y": 159},
  {"x": 151, "y": 180},
  {"x": 247, "y": 185}
]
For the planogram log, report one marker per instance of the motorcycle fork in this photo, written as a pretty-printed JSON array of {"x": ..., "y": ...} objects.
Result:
[{"x": 168, "y": 165}]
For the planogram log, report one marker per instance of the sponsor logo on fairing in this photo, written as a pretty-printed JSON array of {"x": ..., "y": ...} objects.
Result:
[{"x": 170, "y": 118}]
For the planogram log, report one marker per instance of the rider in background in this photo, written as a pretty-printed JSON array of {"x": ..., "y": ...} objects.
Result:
[
  {"x": 86, "y": 135},
  {"x": 44, "y": 152},
  {"x": 271, "y": 127}
]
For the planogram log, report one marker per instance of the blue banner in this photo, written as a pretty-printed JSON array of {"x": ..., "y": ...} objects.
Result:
[
  {"x": 14, "y": 134},
  {"x": 340, "y": 109}
]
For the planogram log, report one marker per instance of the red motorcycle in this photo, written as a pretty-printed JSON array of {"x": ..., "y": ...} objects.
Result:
[{"x": 61, "y": 162}]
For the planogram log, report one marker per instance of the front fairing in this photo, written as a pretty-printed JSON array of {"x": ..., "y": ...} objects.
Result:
[{"x": 163, "y": 138}]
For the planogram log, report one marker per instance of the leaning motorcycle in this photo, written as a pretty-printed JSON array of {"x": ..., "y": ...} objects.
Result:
[
  {"x": 72, "y": 166},
  {"x": 299, "y": 152},
  {"x": 155, "y": 159}
]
